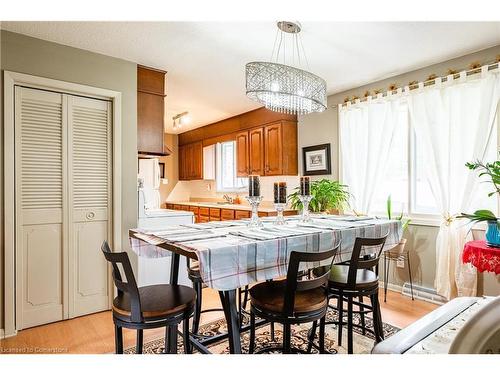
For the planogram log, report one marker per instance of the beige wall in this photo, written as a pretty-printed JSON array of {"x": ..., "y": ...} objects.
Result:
[
  {"x": 171, "y": 166},
  {"x": 323, "y": 128},
  {"x": 28, "y": 55}
]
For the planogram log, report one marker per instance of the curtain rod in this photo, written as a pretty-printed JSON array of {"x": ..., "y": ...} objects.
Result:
[{"x": 430, "y": 82}]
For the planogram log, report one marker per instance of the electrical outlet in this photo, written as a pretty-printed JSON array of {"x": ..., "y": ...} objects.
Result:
[{"x": 400, "y": 264}]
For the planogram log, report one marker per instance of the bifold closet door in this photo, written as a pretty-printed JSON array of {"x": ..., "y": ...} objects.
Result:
[
  {"x": 90, "y": 197},
  {"x": 41, "y": 244},
  {"x": 63, "y": 194}
]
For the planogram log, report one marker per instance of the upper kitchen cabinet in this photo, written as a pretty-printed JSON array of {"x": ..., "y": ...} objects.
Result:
[
  {"x": 191, "y": 161},
  {"x": 242, "y": 159},
  {"x": 256, "y": 151},
  {"x": 150, "y": 111},
  {"x": 266, "y": 142}
]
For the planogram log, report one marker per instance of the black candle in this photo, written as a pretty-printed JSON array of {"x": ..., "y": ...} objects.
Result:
[
  {"x": 282, "y": 192},
  {"x": 253, "y": 186},
  {"x": 305, "y": 188},
  {"x": 276, "y": 193}
]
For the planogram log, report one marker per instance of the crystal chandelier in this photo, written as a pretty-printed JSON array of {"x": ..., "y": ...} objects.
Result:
[{"x": 285, "y": 88}]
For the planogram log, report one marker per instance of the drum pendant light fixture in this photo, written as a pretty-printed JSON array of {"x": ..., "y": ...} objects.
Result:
[{"x": 280, "y": 86}]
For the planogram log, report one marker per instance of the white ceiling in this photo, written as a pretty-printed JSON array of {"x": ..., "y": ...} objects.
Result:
[{"x": 206, "y": 60}]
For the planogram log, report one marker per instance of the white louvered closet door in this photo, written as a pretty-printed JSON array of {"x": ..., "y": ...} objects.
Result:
[
  {"x": 63, "y": 195},
  {"x": 40, "y": 248},
  {"x": 90, "y": 182}
]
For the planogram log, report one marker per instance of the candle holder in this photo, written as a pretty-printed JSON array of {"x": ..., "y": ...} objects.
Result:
[
  {"x": 255, "y": 220},
  {"x": 280, "y": 219},
  {"x": 305, "y": 199}
]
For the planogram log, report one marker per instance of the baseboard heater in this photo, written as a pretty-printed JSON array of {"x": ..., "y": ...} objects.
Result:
[{"x": 419, "y": 292}]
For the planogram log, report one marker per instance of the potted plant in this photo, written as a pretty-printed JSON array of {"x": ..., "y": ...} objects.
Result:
[
  {"x": 492, "y": 170},
  {"x": 400, "y": 247},
  {"x": 327, "y": 196}
]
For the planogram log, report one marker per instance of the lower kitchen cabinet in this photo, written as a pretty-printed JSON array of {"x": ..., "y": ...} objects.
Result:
[{"x": 205, "y": 214}]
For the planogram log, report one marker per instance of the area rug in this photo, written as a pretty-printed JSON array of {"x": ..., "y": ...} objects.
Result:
[{"x": 362, "y": 344}]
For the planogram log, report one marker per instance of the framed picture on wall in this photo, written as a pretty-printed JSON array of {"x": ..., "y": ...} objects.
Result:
[{"x": 316, "y": 160}]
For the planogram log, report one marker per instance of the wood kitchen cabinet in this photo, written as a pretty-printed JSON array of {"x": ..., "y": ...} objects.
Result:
[
  {"x": 205, "y": 214},
  {"x": 191, "y": 161},
  {"x": 280, "y": 149},
  {"x": 270, "y": 150},
  {"x": 250, "y": 152},
  {"x": 242, "y": 159},
  {"x": 256, "y": 151},
  {"x": 150, "y": 111}
]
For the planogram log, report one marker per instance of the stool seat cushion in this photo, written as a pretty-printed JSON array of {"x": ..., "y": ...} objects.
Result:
[
  {"x": 158, "y": 301},
  {"x": 338, "y": 276},
  {"x": 270, "y": 296}
]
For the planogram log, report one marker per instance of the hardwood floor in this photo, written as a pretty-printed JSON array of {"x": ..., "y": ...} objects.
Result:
[{"x": 95, "y": 333}]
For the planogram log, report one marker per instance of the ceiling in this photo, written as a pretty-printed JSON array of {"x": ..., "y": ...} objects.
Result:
[{"x": 206, "y": 60}]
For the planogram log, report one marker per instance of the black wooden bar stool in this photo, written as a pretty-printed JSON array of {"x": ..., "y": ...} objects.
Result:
[
  {"x": 292, "y": 301},
  {"x": 354, "y": 280},
  {"x": 147, "y": 307}
]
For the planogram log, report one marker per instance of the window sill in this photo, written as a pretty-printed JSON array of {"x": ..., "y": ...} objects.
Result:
[{"x": 433, "y": 222}]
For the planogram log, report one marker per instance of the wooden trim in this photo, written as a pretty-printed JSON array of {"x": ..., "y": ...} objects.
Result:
[
  {"x": 11, "y": 79},
  {"x": 224, "y": 128},
  {"x": 150, "y": 68}
]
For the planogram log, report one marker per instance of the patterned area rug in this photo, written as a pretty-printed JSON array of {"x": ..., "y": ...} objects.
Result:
[{"x": 362, "y": 344}]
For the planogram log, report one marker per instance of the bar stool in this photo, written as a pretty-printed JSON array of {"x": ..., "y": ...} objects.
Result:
[
  {"x": 147, "y": 307},
  {"x": 292, "y": 301},
  {"x": 355, "y": 280}
]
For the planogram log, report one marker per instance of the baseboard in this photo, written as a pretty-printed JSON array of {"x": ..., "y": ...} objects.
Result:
[
  {"x": 419, "y": 292},
  {"x": 3, "y": 335}
]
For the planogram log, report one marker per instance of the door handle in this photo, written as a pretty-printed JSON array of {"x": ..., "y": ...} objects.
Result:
[{"x": 90, "y": 215}]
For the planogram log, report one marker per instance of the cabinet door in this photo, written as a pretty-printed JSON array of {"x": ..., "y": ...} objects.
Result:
[
  {"x": 197, "y": 161},
  {"x": 182, "y": 163},
  {"x": 256, "y": 151},
  {"x": 242, "y": 162},
  {"x": 150, "y": 117},
  {"x": 273, "y": 150}
]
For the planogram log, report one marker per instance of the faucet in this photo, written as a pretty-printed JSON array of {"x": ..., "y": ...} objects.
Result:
[{"x": 228, "y": 199}]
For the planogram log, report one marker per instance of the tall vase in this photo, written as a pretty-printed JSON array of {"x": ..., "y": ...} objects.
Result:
[{"x": 493, "y": 234}]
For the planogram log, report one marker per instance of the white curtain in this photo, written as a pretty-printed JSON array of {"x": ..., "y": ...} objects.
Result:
[
  {"x": 366, "y": 135},
  {"x": 453, "y": 123}
]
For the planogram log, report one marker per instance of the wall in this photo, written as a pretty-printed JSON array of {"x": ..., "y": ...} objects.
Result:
[
  {"x": 171, "y": 166},
  {"x": 323, "y": 127},
  {"x": 33, "y": 56}
]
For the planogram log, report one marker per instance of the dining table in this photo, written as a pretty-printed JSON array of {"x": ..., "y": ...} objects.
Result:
[{"x": 232, "y": 255}]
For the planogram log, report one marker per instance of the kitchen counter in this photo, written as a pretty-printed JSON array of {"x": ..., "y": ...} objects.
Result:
[{"x": 239, "y": 207}]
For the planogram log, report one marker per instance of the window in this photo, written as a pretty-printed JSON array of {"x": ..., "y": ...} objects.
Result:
[
  {"x": 395, "y": 181},
  {"x": 227, "y": 180},
  {"x": 406, "y": 181}
]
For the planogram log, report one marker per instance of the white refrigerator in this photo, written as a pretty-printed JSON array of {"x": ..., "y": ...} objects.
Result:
[{"x": 153, "y": 271}]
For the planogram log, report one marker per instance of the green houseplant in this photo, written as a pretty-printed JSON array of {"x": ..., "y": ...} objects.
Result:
[
  {"x": 397, "y": 250},
  {"x": 326, "y": 195},
  {"x": 492, "y": 170},
  {"x": 404, "y": 222}
]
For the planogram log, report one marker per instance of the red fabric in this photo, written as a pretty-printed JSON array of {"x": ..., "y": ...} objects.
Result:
[{"x": 482, "y": 256}]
